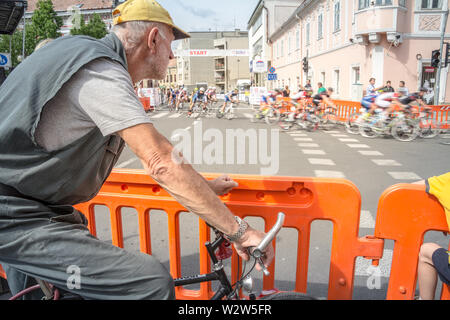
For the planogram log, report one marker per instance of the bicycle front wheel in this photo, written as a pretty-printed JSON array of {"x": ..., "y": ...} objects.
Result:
[
  {"x": 289, "y": 295},
  {"x": 406, "y": 130},
  {"x": 428, "y": 128},
  {"x": 272, "y": 116},
  {"x": 352, "y": 124}
]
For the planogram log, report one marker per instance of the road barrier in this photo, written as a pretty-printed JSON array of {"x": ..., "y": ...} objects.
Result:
[{"x": 405, "y": 213}]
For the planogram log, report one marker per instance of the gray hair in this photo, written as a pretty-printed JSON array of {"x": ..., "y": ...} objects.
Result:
[{"x": 132, "y": 32}]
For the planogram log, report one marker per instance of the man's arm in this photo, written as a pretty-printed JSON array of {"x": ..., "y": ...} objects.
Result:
[{"x": 187, "y": 186}]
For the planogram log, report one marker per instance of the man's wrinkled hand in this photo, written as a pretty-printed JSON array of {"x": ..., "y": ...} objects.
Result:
[{"x": 222, "y": 184}]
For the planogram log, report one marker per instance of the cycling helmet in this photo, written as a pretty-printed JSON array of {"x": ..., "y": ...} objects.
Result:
[{"x": 202, "y": 89}]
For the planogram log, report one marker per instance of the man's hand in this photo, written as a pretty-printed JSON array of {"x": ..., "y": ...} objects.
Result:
[
  {"x": 222, "y": 184},
  {"x": 253, "y": 238}
]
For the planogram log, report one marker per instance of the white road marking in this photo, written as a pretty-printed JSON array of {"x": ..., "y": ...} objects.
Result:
[
  {"x": 364, "y": 267},
  {"x": 338, "y": 135},
  {"x": 297, "y": 134},
  {"x": 348, "y": 140},
  {"x": 370, "y": 153},
  {"x": 329, "y": 174},
  {"x": 308, "y": 145},
  {"x": 248, "y": 115},
  {"x": 405, "y": 175},
  {"x": 386, "y": 162},
  {"x": 366, "y": 220},
  {"x": 353, "y": 145},
  {"x": 303, "y": 139},
  {"x": 175, "y": 115},
  {"x": 312, "y": 151},
  {"x": 325, "y": 162}
]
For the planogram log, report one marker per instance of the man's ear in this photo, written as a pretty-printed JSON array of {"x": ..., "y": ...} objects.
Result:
[{"x": 151, "y": 39}]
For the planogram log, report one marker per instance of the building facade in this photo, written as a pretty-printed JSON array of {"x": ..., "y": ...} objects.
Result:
[
  {"x": 67, "y": 9},
  {"x": 347, "y": 42},
  {"x": 267, "y": 17},
  {"x": 202, "y": 60}
]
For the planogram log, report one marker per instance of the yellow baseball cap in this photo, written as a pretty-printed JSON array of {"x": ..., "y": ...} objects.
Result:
[{"x": 146, "y": 10}]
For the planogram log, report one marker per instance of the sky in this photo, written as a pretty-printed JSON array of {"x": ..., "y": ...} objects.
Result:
[{"x": 206, "y": 15}]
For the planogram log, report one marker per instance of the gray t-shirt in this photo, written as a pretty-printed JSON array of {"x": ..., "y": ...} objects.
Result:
[{"x": 99, "y": 95}]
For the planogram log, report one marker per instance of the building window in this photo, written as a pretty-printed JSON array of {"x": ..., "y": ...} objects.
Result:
[
  {"x": 356, "y": 75},
  {"x": 337, "y": 16},
  {"x": 320, "y": 26},
  {"x": 282, "y": 48},
  {"x": 289, "y": 43},
  {"x": 364, "y": 4},
  {"x": 336, "y": 81},
  {"x": 297, "y": 38},
  {"x": 431, "y": 4},
  {"x": 308, "y": 31},
  {"x": 402, "y": 3}
]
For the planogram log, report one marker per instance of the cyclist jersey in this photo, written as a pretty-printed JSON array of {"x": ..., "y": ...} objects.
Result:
[
  {"x": 199, "y": 96},
  {"x": 270, "y": 96},
  {"x": 409, "y": 98}
]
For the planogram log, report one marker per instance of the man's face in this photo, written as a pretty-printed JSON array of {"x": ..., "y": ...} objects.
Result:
[{"x": 372, "y": 81}]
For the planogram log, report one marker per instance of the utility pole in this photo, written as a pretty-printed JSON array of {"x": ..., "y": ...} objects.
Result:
[{"x": 437, "y": 84}]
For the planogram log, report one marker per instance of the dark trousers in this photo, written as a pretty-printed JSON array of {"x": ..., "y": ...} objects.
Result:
[{"x": 54, "y": 244}]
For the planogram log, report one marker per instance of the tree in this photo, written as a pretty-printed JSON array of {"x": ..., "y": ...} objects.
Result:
[
  {"x": 44, "y": 24},
  {"x": 96, "y": 28}
]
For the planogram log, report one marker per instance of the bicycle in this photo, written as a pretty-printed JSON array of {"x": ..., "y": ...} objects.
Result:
[
  {"x": 228, "y": 113},
  {"x": 226, "y": 290}
]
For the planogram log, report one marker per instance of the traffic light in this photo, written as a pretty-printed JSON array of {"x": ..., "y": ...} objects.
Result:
[
  {"x": 305, "y": 64},
  {"x": 435, "y": 58}
]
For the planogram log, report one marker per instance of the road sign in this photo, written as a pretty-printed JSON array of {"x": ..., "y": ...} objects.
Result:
[
  {"x": 271, "y": 76},
  {"x": 5, "y": 60},
  {"x": 272, "y": 70},
  {"x": 429, "y": 69}
]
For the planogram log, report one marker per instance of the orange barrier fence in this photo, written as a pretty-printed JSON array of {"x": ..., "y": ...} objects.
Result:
[
  {"x": 405, "y": 213},
  {"x": 303, "y": 200},
  {"x": 346, "y": 108}
]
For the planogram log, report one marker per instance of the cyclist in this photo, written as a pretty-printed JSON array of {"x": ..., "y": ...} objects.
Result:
[
  {"x": 182, "y": 97},
  {"x": 211, "y": 95},
  {"x": 232, "y": 96},
  {"x": 323, "y": 98},
  {"x": 198, "y": 96}
]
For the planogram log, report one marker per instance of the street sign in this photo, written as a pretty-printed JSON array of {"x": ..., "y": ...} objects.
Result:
[
  {"x": 259, "y": 66},
  {"x": 271, "y": 76},
  {"x": 272, "y": 70},
  {"x": 5, "y": 60},
  {"x": 429, "y": 69}
]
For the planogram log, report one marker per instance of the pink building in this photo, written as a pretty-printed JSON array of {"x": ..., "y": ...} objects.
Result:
[{"x": 347, "y": 42}]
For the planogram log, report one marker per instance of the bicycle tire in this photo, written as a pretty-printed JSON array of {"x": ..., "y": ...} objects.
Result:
[
  {"x": 405, "y": 131},
  {"x": 288, "y": 295},
  {"x": 351, "y": 125},
  {"x": 272, "y": 116},
  {"x": 428, "y": 128},
  {"x": 329, "y": 121}
]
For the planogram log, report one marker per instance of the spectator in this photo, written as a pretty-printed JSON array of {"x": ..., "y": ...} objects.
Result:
[
  {"x": 320, "y": 88},
  {"x": 434, "y": 260},
  {"x": 402, "y": 88},
  {"x": 286, "y": 92},
  {"x": 388, "y": 87},
  {"x": 371, "y": 90},
  {"x": 308, "y": 86}
]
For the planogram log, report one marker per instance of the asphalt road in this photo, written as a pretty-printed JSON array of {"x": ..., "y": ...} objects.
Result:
[{"x": 371, "y": 164}]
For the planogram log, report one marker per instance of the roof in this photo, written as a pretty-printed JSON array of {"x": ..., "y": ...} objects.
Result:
[
  {"x": 63, "y": 5},
  {"x": 11, "y": 11}
]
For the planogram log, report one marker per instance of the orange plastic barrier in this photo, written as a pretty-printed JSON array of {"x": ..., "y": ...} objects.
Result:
[
  {"x": 346, "y": 108},
  {"x": 303, "y": 200},
  {"x": 405, "y": 213},
  {"x": 146, "y": 103}
]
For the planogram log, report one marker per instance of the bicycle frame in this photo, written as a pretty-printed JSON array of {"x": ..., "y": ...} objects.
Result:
[{"x": 218, "y": 273}]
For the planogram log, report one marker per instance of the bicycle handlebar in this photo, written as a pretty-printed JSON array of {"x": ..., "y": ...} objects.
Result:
[{"x": 258, "y": 251}]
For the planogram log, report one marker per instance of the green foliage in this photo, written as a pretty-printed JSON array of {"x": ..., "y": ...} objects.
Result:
[
  {"x": 95, "y": 28},
  {"x": 44, "y": 24}
]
